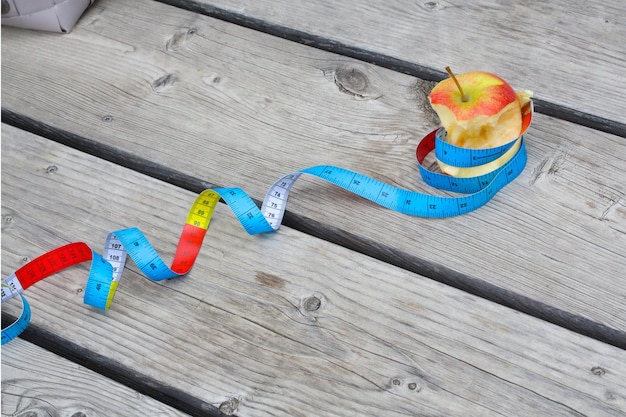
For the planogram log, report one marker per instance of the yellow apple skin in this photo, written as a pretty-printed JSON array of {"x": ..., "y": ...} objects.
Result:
[{"x": 491, "y": 115}]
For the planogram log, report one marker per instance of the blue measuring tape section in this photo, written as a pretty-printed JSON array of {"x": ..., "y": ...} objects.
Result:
[
  {"x": 10, "y": 286},
  {"x": 106, "y": 269}
]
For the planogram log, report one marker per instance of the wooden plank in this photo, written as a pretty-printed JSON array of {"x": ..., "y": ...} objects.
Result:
[
  {"x": 570, "y": 53},
  {"x": 282, "y": 324},
  {"x": 36, "y": 382},
  {"x": 239, "y": 108}
]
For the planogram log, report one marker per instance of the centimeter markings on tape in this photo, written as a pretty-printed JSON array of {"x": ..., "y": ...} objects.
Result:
[
  {"x": 19, "y": 325},
  {"x": 106, "y": 270},
  {"x": 445, "y": 151}
]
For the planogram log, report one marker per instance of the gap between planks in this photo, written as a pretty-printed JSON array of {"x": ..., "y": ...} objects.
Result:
[
  {"x": 114, "y": 370},
  {"x": 37, "y": 382}
]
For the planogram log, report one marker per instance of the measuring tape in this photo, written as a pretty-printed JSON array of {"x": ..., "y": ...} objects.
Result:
[{"x": 106, "y": 269}]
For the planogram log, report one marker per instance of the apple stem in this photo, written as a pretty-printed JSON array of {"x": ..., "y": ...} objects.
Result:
[{"x": 463, "y": 96}]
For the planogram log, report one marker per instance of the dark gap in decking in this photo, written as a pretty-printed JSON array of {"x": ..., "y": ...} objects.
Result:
[
  {"x": 426, "y": 73},
  {"x": 115, "y": 371},
  {"x": 334, "y": 235}
]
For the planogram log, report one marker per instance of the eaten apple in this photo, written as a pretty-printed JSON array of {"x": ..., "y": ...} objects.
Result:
[{"x": 478, "y": 110}]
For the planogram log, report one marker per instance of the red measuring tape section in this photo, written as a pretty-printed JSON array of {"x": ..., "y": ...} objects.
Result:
[
  {"x": 188, "y": 248},
  {"x": 52, "y": 262}
]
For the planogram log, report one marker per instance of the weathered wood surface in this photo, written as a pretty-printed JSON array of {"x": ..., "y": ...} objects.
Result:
[
  {"x": 571, "y": 53},
  {"x": 37, "y": 383},
  {"x": 228, "y": 105},
  {"x": 244, "y": 330}
]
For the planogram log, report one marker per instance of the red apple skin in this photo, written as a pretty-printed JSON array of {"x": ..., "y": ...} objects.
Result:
[
  {"x": 486, "y": 94},
  {"x": 490, "y": 115}
]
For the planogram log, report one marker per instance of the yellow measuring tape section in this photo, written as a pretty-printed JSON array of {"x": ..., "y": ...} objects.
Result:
[
  {"x": 112, "y": 291},
  {"x": 202, "y": 209}
]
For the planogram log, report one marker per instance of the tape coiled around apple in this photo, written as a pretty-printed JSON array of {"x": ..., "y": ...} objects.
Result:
[{"x": 106, "y": 270}]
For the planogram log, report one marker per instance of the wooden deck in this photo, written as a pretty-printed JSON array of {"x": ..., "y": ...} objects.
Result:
[{"x": 516, "y": 309}]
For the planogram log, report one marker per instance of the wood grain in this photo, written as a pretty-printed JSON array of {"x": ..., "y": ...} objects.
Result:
[
  {"x": 282, "y": 324},
  {"x": 570, "y": 53},
  {"x": 37, "y": 383},
  {"x": 234, "y": 107}
]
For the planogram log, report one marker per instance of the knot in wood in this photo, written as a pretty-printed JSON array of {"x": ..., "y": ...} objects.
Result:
[
  {"x": 353, "y": 81},
  {"x": 179, "y": 39},
  {"x": 598, "y": 370},
  {"x": 432, "y": 5},
  {"x": 52, "y": 169},
  {"x": 312, "y": 303},
  {"x": 164, "y": 82},
  {"x": 229, "y": 407}
]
